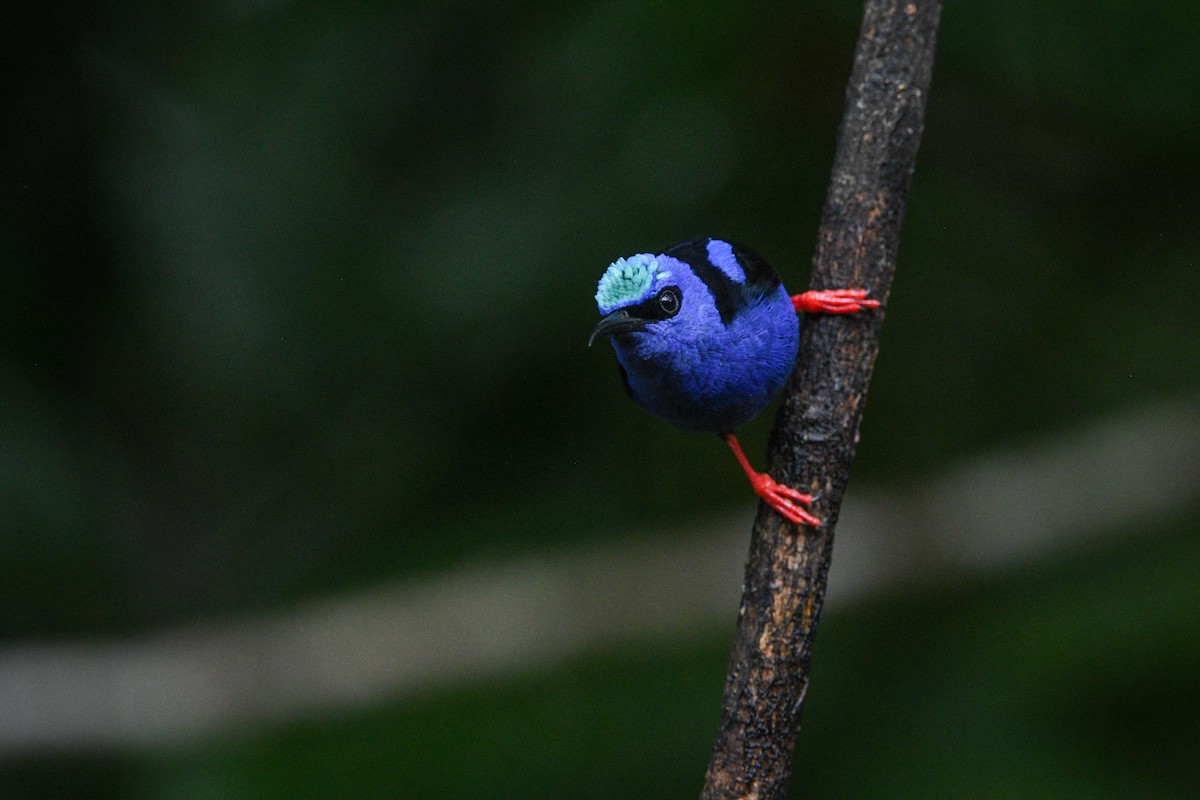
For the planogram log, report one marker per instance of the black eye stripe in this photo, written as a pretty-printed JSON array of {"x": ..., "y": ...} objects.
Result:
[{"x": 654, "y": 309}]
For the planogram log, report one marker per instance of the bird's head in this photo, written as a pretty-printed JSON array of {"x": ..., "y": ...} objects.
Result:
[{"x": 648, "y": 294}]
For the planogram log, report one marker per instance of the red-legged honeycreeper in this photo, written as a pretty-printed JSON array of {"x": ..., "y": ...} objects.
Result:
[{"x": 706, "y": 335}]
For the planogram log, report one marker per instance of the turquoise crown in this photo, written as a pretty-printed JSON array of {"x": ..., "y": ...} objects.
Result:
[{"x": 627, "y": 281}]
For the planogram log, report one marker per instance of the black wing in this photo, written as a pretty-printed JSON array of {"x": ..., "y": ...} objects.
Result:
[
  {"x": 760, "y": 276},
  {"x": 731, "y": 297}
]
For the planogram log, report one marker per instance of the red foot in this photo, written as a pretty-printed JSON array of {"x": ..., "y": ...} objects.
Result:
[
  {"x": 782, "y": 498},
  {"x": 833, "y": 301}
]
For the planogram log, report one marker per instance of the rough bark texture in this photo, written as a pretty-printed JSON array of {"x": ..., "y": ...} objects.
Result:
[{"x": 813, "y": 442}]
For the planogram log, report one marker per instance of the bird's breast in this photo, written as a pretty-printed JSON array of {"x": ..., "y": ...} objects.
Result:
[{"x": 713, "y": 382}]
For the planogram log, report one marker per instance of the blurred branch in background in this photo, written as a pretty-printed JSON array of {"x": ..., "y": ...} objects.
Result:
[
  {"x": 277, "y": 275},
  {"x": 476, "y": 622}
]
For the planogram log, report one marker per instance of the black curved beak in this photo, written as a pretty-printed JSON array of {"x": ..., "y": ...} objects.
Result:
[{"x": 617, "y": 322}]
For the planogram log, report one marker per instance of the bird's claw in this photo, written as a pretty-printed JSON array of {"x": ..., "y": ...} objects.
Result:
[
  {"x": 833, "y": 301},
  {"x": 784, "y": 499}
]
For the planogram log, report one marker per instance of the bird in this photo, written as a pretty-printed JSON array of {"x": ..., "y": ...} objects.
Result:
[{"x": 705, "y": 336}]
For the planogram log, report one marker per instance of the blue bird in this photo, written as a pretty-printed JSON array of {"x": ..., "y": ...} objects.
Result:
[{"x": 706, "y": 335}]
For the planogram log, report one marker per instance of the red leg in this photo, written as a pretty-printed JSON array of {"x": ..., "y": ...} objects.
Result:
[
  {"x": 782, "y": 498},
  {"x": 833, "y": 301}
]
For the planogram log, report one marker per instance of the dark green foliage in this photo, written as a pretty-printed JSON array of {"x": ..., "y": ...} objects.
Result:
[{"x": 274, "y": 277}]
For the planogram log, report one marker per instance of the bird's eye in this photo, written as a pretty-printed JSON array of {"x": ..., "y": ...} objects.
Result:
[{"x": 668, "y": 301}]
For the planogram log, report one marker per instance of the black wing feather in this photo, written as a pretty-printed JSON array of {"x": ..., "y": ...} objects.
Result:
[{"x": 730, "y": 297}]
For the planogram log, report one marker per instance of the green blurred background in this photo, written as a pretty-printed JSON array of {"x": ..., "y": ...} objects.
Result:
[{"x": 294, "y": 304}]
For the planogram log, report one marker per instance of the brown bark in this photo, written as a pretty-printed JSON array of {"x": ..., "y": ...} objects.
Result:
[{"x": 815, "y": 434}]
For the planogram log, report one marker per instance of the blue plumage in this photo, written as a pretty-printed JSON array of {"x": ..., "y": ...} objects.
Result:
[
  {"x": 723, "y": 354},
  {"x": 705, "y": 335}
]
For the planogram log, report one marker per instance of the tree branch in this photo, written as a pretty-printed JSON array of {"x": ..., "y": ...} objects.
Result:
[{"x": 812, "y": 444}]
